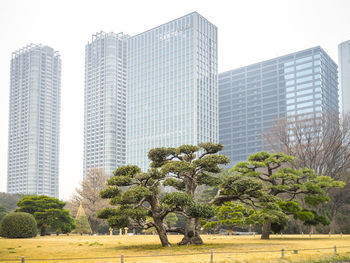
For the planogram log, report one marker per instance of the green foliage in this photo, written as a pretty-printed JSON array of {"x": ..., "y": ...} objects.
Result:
[
  {"x": 304, "y": 215},
  {"x": 243, "y": 188},
  {"x": 201, "y": 211},
  {"x": 127, "y": 170},
  {"x": 177, "y": 184},
  {"x": 32, "y": 204},
  {"x": 128, "y": 202},
  {"x": 3, "y": 211},
  {"x": 177, "y": 199},
  {"x": 311, "y": 218},
  {"x": 171, "y": 219},
  {"x": 48, "y": 212},
  {"x": 109, "y": 192},
  {"x": 212, "y": 225},
  {"x": 271, "y": 212},
  {"x": 269, "y": 183},
  {"x": 82, "y": 225},
  {"x": 18, "y": 225},
  {"x": 159, "y": 156},
  {"x": 230, "y": 214},
  {"x": 183, "y": 168},
  {"x": 289, "y": 207},
  {"x": 210, "y": 191}
]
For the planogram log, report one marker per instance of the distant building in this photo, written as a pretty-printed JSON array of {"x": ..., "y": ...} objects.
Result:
[
  {"x": 105, "y": 102},
  {"x": 34, "y": 121},
  {"x": 172, "y": 87},
  {"x": 252, "y": 97},
  {"x": 344, "y": 76}
]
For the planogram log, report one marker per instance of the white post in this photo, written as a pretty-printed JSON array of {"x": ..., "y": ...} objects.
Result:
[
  {"x": 282, "y": 252},
  {"x": 22, "y": 259},
  {"x": 122, "y": 258},
  {"x": 211, "y": 256},
  {"x": 335, "y": 249}
]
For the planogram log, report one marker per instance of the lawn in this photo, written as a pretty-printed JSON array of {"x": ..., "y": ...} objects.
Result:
[{"x": 148, "y": 249}]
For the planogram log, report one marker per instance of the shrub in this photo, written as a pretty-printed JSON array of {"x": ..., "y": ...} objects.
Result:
[{"x": 18, "y": 225}]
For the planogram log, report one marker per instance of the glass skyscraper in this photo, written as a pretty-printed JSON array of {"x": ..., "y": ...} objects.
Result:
[
  {"x": 34, "y": 121},
  {"x": 344, "y": 76},
  {"x": 251, "y": 98},
  {"x": 105, "y": 102},
  {"x": 172, "y": 87}
]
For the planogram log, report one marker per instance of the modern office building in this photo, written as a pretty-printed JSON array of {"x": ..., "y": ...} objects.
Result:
[
  {"x": 34, "y": 121},
  {"x": 172, "y": 87},
  {"x": 344, "y": 76},
  {"x": 105, "y": 102},
  {"x": 251, "y": 98}
]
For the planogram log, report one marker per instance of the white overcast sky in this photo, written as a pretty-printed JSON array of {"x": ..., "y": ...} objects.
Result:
[{"x": 249, "y": 31}]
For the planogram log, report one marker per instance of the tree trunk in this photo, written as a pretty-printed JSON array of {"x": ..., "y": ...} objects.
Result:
[
  {"x": 43, "y": 230},
  {"x": 161, "y": 232},
  {"x": 333, "y": 223},
  {"x": 192, "y": 235},
  {"x": 192, "y": 227},
  {"x": 266, "y": 230}
]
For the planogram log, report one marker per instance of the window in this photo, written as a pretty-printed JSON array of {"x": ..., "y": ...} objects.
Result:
[
  {"x": 303, "y": 66},
  {"x": 305, "y": 98},
  {"x": 304, "y": 79},
  {"x": 304, "y": 72}
]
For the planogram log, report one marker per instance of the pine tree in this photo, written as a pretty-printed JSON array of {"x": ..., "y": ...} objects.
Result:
[{"x": 81, "y": 221}]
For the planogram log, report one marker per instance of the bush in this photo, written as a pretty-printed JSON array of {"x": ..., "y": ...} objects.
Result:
[{"x": 18, "y": 225}]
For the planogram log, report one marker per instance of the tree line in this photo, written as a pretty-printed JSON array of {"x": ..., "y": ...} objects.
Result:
[{"x": 186, "y": 191}]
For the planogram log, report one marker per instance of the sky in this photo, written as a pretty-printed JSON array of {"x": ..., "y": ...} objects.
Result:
[{"x": 249, "y": 31}]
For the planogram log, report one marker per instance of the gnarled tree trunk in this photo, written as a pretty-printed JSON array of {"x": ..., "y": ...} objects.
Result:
[
  {"x": 161, "y": 230},
  {"x": 266, "y": 230},
  {"x": 192, "y": 235},
  {"x": 158, "y": 220},
  {"x": 192, "y": 228}
]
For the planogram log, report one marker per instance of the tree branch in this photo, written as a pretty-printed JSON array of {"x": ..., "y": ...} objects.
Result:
[{"x": 176, "y": 230}]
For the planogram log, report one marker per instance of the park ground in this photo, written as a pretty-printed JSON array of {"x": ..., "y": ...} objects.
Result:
[{"x": 140, "y": 248}]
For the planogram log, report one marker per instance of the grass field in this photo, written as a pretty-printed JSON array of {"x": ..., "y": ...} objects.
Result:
[{"x": 147, "y": 248}]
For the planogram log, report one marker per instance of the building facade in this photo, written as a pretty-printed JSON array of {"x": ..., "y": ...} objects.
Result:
[
  {"x": 172, "y": 87},
  {"x": 251, "y": 98},
  {"x": 105, "y": 102},
  {"x": 34, "y": 121},
  {"x": 344, "y": 76}
]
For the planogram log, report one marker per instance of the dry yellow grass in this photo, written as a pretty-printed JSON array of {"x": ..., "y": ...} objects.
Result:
[{"x": 63, "y": 247}]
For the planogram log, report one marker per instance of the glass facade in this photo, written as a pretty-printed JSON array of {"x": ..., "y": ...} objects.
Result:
[
  {"x": 172, "y": 87},
  {"x": 105, "y": 102},
  {"x": 251, "y": 98},
  {"x": 344, "y": 76},
  {"x": 34, "y": 121}
]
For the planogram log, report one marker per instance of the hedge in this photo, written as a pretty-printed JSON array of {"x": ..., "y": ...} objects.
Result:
[{"x": 18, "y": 225}]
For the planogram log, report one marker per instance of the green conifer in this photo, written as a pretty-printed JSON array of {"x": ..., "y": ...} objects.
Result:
[{"x": 82, "y": 222}]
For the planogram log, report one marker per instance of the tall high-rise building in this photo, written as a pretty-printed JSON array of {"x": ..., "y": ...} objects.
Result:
[
  {"x": 251, "y": 98},
  {"x": 344, "y": 76},
  {"x": 105, "y": 102},
  {"x": 34, "y": 121},
  {"x": 172, "y": 87}
]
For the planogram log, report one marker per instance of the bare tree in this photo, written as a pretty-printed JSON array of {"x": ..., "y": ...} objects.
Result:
[
  {"x": 88, "y": 194},
  {"x": 319, "y": 142}
]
